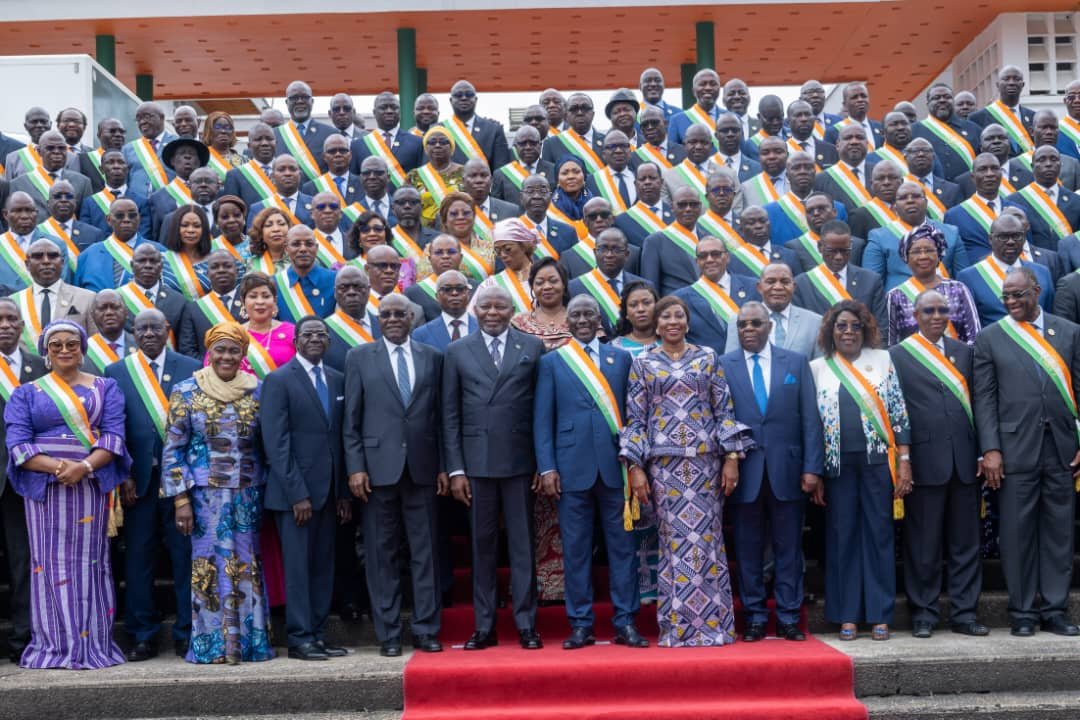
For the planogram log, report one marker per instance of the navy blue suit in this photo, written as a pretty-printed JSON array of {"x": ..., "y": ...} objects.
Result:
[
  {"x": 92, "y": 214},
  {"x": 151, "y": 517},
  {"x": 560, "y": 236},
  {"x": 988, "y": 303},
  {"x": 783, "y": 230},
  {"x": 778, "y": 254},
  {"x": 407, "y": 148},
  {"x": 302, "y": 210},
  {"x": 679, "y": 123},
  {"x": 314, "y": 136},
  {"x": 491, "y": 139},
  {"x": 318, "y": 288},
  {"x": 572, "y": 437},
  {"x": 635, "y": 233},
  {"x": 952, "y": 163},
  {"x": 434, "y": 333},
  {"x": 824, "y": 182},
  {"x": 84, "y": 234},
  {"x": 238, "y": 185},
  {"x": 789, "y": 442},
  {"x": 578, "y": 288},
  {"x": 1041, "y": 233},
  {"x": 339, "y": 348},
  {"x": 353, "y": 190},
  {"x": 706, "y": 328},
  {"x": 138, "y": 181}
]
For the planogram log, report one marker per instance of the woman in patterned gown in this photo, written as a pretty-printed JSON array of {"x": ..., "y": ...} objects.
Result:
[{"x": 681, "y": 437}]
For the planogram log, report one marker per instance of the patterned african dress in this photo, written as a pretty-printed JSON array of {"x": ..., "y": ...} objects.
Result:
[
  {"x": 72, "y": 596},
  {"x": 429, "y": 206},
  {"x": 212, "y": 452},
  {"x": 644, "y": 532},
  {"x": 962, "y": 313},
  {"x": 679, "y": 423}
]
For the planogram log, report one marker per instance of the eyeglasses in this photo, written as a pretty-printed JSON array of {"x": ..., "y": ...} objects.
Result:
[
  {"x": 598, "y": 215},
  {"x": 298, "y": 98},
  {"x": 579, "y": 109},
  {"x": 835, "y": 251},
  {"x": 454, "y": 289},
  {"x": 336, "y": 151},
  {"x": 341, "y": 108},
  {"x": 610, "y": 249},
  {"x": 922, "y": 251},
  {"x": 937, "y": 310},
  {"x": 63, "y": 196},
  {"x": 1015, "y": 294},
  {"x": 374, "y": 173},
  {"x": 445, "y": 252},
  {"x": 463, "y": 95},
  {"x": 754, "y": 323},
  {"x": 223, "y": 127},
  {"x": 64, "y": 346},
  {"x": 395, "y": 314},
  {"x": 651, "y": 123},
  {"x": 711, "y": 254},
  {"x": 315, "y": 334},
  {"x": 438, "y": 142},
  {"x": 43, "y": 255},
  {"x": 686, "y": 204},
  {"x": 617, "y": 146},
  {"x": 373, "y": 229},
  {"x": 384, "y": 266},
  {"x": 533, "y": 119},
  {"x": 129, "y": 215},
  {"x": 845, "y": 326},
  {"x": 328, "y": 206},
  {"x": 722, "y": 190}
]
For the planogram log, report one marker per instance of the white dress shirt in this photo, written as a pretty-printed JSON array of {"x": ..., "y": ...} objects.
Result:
[
  {"x": 721, "y": 160},
  {"x": 448, "y": 319},
  {"x": 1002, "y": 266},
  {"x": 1052, "y": 192},
  {"x": 54, "y": 298},
  {"x": 628, "y": 178},
  {"x": 502, "y": 341},
  {"x": 841, "y": 276},
  {"x": 406, "y": 346},
  {"x": 308, "y": 367},
  {"x": 764, "y": 360},
  {"x": 160, "y": 360},
  {"x": 1039, "y": 322},
  {"x": 16, "y": 361},
  {"x": 381, "y": 206},
  {"x": 940, "y": 344}
]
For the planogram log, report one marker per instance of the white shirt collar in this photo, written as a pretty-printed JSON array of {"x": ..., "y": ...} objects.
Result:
[
  {"x": 1039, "y": 322},
  {"x": 940, "y": 344},
  {"x": 391, "y": 347},
  {"x": 55, "y": 288},
  {"x": 501, "y": 338},
  {"x": 785, "y": 313},
  {"x": 843, "y": 275},
  {"x": 304, "y": 363},
  {"x": 447, "y": 318},
  {"x": 1051, "y": 191},
  {"x": 16, "y": 361},
  {"x": 1001, "y": 263},
  {"x": 765, "y": 354},
  {"x": 593, "y": 346}
]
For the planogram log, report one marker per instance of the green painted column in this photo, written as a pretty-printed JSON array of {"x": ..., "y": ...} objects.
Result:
[
  {"x": 105, "y": 52},
  {"x": 706, "y": 45},
  {"x": 407, "y": 74},
  {"x": 421, "y": 81},
  {"x": 686, "y": 73},
  {"x": 144, "y": 87}
]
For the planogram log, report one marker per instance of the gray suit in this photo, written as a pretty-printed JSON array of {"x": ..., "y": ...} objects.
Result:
[
  {"x": 14, "y": 167},
  {"x": 79, "y": 182},
  {"x": 666, "y": 265},
  {"x": 801, "y": 334},
  {"x": 488, "y": 435},
  {"x": 398, "y": 446},
  {"x": 1070, "y": 172}
]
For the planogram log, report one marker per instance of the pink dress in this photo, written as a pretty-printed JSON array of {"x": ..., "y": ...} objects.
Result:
[{"x": 278, "y": 342}]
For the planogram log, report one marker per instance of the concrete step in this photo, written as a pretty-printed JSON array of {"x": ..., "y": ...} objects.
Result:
[{"x": 989, "y": 706}]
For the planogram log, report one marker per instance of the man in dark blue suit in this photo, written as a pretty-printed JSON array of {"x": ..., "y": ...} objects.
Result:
[
  {"x": 262, "y": 147},
  {"x": 337, "y": 179},
  {"x": 838, "y": 278},
  {"x": 923, "y": 166},
  {"x": 955, "y": 140},
  {"x": 849, "y": 179},
  {"x": 316, "y": 283},
  {"x": 301, "y": 414},
  {"x": 61, "y": 221},
  {"x": 774, "y": 395},
  {"x": 223, "y": 271},
  {"x": 578, "y": 134},
  {"x": 285, "y": 175},
  {"x": 813, "y": 92},
  {"x": 577, "y": 414},
  {"x": 1052, "y": 210},
  {"x": 1010, "y": 85},
  {"x": 706, "y": 89},
  {"x": 734, "y": 151},
  {"x": 715, "y": 296},
  {"x": 300, "y": 126},
  {"x": 1014, "y": 175},
  {"x": 973, "y": 216},
  {"x": 650, "y": 213},
  {"x": 801, "y": 125},
  {"x": 488, "y": 135},
  {"x": 453, "y": 322},
  {"x": 404, "y": 148},
  {"x": 97, "y": 268},
  {"x": 95, "y": 209},
  {"x": 374, "y": 188},
  {"x": 756, "y": 230},
  {"x": 651, "y": 84},
  {"x": 146, "y": 378},
  {"x": 605, "y": 283},
  {"x": 351, "y": 323}
]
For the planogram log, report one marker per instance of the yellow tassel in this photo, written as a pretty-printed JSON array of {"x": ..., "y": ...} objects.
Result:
[
  {"x": 1076, "y": 480},
  {"x": 627, "y": 517},
  {"x": 982, "y": 507},
  {"x": 898, "y": 509},
  {"x": 635, "y": 508}
]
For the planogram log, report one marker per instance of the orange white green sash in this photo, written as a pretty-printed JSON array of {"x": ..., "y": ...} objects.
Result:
[
  {"x": 794, "y": 210},
  {"x": 293, "y": 296},
  {"x": 888, "y": 152},
  {"x": 325, "y": 183},
  {"x": 684, "y": 239},
  {"x": 405, "y": 245},
  {"x": 718, "y": 227},
  {"x": 150, "y": 162},
  {"x": 585, "y": 249},
  {"x": 277, "y": 202},
  {"x": 428, "y": 285},
  {"x": 103, "y": 200},
  {"x": 14, "y": 257},
  {"x": 764, "y": 186},
  {"x": 849, "y": 184},
  {"x": 819, "y": 130},
  {"x": 52, "y": 227},
  {"x": 594, "y": 382},
  {"x": 134, "y": 298},
  {"x": 646, "y": 219},
  {"x": 291, "y": 135},
  {"x": 576, "y": 145},
  {"x": 758, "y": 137},
  {"x": 373, "y": 300},
  {"x": 220, "y": 243},
  {"x": 473, "y": 264},
  {"x": 40, "y": 179},
  {"x": 376, "y": 145},
  {"x": 1031, "y": 341},
  {"x": 31, "y": 323},
  {"x": 752, "y": 257},
  {"x": 433, "y": 181},
  {"x": 543, "y": 247},
  {"x": 934, "y": 207},
  {"x": 463, "y": 138},
  {"x": 483, "y": 226},
  {"x": 809, "y": 242},
  {"x": 515, "y": 172},
  {"x": 692, "y": 176},
  {"x": 598, "y": 285},
  {"x": 911, "y": 289},
  {"x": 886, "y": 217},
  {"x": 31, "y": 159},
  {"x": 977, "y": 209},
  {"x": 184, "y": 273},
  {"x": 255, "y": 176},
  {"x": 873, "y": 408},
  {"x": 99, "y": 352},
  {"x": 416, "y": 131},
  {"x": 720, "y": 302},
  {"x": 650, "y": 153},
  {"x": 1070, "y": 129},
  {"x": 509, "y": 281},
  {"x": 956, "y": 142},
  {"x": 327, "y": 254},
  {"x": 263, "y": 264},
  {"x": 218, "y": 164},
  {"x": 991, "y": 274},
  {"x": 213, "y": 309},
  {"x": 348, "y": 329},
  {"x": 1047, "y": 209},
  {"x": 179, "y": 191},
  {"x": 1009, "y": 120},
  {"x": 120, "y": 251},
  {"x": 698, "y": 116},
  {"x": 844, "y": 122},
  {"x": 555, "y": 213},
  {"x": 149, "y": 390},
  {"x": 605, "y": 182},
  {"x": 8, "y": 381},
  {"x": 827, "y": 285},
  {"x": 71, "y": 410},
  {"x": 259, "y": 359}
]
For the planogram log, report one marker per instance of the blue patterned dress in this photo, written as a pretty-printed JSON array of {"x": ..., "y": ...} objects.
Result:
[
  {"x": 679, "y": 423},
  {"x": 212, "y": 452}
]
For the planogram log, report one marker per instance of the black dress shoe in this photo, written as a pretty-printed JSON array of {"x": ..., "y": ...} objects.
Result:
[
  {"x": 181, "y": 647},
  {"x": 331, "y": 650},
  {"x": 142, "y": 651},
  {"x": 307, "y": 651},
  {"x": 481, "y": 640},
  {"x": 923, "y": 629},
  {"x": 1060, "y": 625},
  {"x": 1023, "y": 628},
  {"x": 530, "y": 639},
  {"x": 427, "y": 643},
  {"x": 629, "y": 636},
  {"x": 390, "y": 648},
  {"x": 975, "y": 629},
  {"x": 754, "y": 632},
  {"x": 579, "y": 638},
  {"x": 790, "y": 631}
]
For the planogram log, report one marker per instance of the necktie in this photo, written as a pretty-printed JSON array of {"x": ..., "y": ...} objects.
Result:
[
  {"x": 46, "y": 307},
  {"x": 778, "y": 328},
  {"x": 496, "y": 356},
  {"x": 386, "y": 137},
  {"x": 149, "y": 292},
  {"x": 855, "y": 172},
  {"x": 455, "y": 334},
  {"x": 340, "y": 182},
  {"x": 615, "y": 286},
  {"x": 227, "y": 302},
  {"x": 114, "y": 346},
  {"x": 729, "y": 162},
  {"x": 300, "y": 128},
  {"x": 321, "y": 391},
  {"x": 9, "y": 361},
  {"x": 376, "y": 207},
  {"x": 928, "y": 182},
  {"x": 153, "y": 144},
  {"x": 803, "y": 144},
  {"x": 760, "y": 394},
  {"x": 288, "y": 204},
  {"x": 154, "y": 369},
  {"x": 403, "y": 376},
  {"x": 52, "y": 175},
  {"x": 265, "y": 169},
  {"x": 624, "y": 191}
]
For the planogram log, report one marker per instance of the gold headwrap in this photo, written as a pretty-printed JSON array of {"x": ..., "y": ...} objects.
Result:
[
  {"x": 440, "y": 130},
  {"x": 228, "y": 330},
  {"x": 226, "y": 391}
]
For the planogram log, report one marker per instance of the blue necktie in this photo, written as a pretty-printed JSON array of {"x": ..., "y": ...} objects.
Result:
[
  {"x": 321, "y": 391},
  {"x": 403, "y": 376},
  {"x": 760, "y": 394},
  {"x": 340, "y": 182}
]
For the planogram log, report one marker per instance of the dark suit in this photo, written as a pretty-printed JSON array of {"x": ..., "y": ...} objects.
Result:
[
  {"x": 314, "y": 137},
  {"x": 503, "y": 187},
  {"x": 151, "y": 519},
  {"x": 487, "y": 433},
  {"x": 491, "y": 138},
  {"x": 572, "y": 437},
  {"x": 667, "y": 265},
  {"x": 354, "y": 192},
  {"x": 1067, "y": 298},
  {"x": 556, "y": 147},
  {"x": 576, "y": 266},
  {"x": 825, "y": 183},
  {"x": 91, "y": 213},
  {"x": 1041, "y": 232},
  {"x": 138, "y": 181},
  {"x": 947, "y": 192},
  {"x": 407, "y": 149},
  {"x": 339, "y": 347},
  {"x": 79, "y": 183},
  {"x": 434, "y": 332},
  {"x": 952, "y": 163},
  {"x": 13, "y": 516},
  {"x": 988, "y": 300},
  {"x": 982, "y": 118},
  {"x": 197, "y": 324},
  {"x": 1019, "y": 411},
  {"x": 398, "y": 446},
  {"x": 707, "y": 329},
  {"x": 784, "y": 229},
  {"x": 301, "y": 210},
  {"x": 176, "y": 309},
  {"x": 768, "y": 502},
  {"x": 578, "y": 288},
  {"x": 832, "y": 133},
  {"x": 237, "y": 184},
  {"x": 634, "y": 232},
  {"x": 1019, "y": 176},
  {"x": 942, "y": 510},
  {"x": 304, "y": 452},
  {"x": 777, "y": 254},
  {"x": 90, "y": 170},
  {"x": 863, "y": 285}
]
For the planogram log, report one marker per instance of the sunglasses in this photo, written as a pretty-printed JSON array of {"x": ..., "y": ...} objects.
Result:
[
  {"x": 68, "y": 346},
  {"x": 928, "y": 311},
  {"x": 755, "y": 323},
  {"x": 43, "y": 254},
  {"x": 395, "y": 314},
  {"x": 327, "y": 206}
]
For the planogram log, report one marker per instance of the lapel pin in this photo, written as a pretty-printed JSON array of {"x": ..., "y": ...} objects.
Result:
[
  {"x": 852, "y": 283},
  {"x": 1050, "y": 332},
  {"x": 396, "y": 143},
  {"x": 307, "y": 206},
  {"x": 75, "y": 231},
  {"x": 610, "y": 360},
  {"x": 742, "y": 293},
  {"x": 64, "y": 303},
  {"x": 517, "y": 346},
  {"x": 166, "y": 377},
  {"x": 27, "y": 369},
  {"x": 952, "y": 359},
  {"x": 352, "y": 190},
  {"x": 315, "y": 292},
  {"x": 868, "y": 368}
]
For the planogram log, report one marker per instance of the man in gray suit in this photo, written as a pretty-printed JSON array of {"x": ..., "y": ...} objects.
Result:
[
  {"x": 793, "y": 327},
  {"x": 1026, "y": 422},
  {"x": 395, "y": 464},
  {"x": 54, "y": 156},
  {"x": 476, "y": 181},
  {"x": 54, "y": 299},
  {"x": 488, "y": 386},
  {"x": 664, "y": 262}
]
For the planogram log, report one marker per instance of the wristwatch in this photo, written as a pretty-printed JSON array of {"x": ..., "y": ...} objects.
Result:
[
  {"x": 732, "y": 456},
  {"x": 905, "y": 457}
]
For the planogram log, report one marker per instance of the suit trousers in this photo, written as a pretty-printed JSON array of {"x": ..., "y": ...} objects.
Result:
[
  {"x": 148, "y": 523},
  {"x": 1037, "y": 536},
  {"x": 514, "y": 496},
  {"x": 348, "y": 579},
  {"x": 577, "y": 513},
  {"x": 942, "y": 520},
  {"x": 404, "y": 510},
  {"x": 17, "y": 550},
  {"x": 759, "y": 524},
  {"x": 307, "y": 554},
  {"x": 860, "y": 579}
]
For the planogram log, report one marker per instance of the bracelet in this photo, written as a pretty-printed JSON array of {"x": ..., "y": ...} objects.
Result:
[
  {"x": 59, "y": 468},
  {"x": 88, "y": 466},
  {"x": 732, "y": 456},
  {"x": 905, "y": 457},
  {"x": 180, "y": 502}
]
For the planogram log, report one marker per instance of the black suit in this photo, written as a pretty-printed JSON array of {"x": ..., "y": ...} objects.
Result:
[
  {"x": 196, "y": 324},
  {"x": 398, "y": 446},
  {"x": 942, "y": 511},
  {"x": 13, "y": 515},
  {"x": 576, "y": 266},
  {"x": 1019, "y": 177},
  {"x": 487, "y": 435},
  {"x": 87, "y": 168},
  {"x": 863, "y": 285},
  {"x": 1019, "y": 412},
  {"x": 1067, "y": 298},
  {"x": 491, "y": 138},
  {"x": 504, "y": 189},
  {"x": 304, "y": 452}
]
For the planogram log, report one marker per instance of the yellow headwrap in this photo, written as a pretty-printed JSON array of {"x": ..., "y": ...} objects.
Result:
[
  {"x": 440, "y": 130},
  {"x": 229, "y": 330}
]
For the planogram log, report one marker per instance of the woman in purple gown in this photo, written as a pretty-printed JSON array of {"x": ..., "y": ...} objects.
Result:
[{"x": 65, "y": 439}]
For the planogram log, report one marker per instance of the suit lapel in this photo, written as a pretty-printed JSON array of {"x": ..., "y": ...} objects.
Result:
[
  {"x": 479, "y": 349},
  {"x": 511, "y": 353},
  {"x": 386, "y": 366},
  {"x": 777, "y": 373},
  {"x": 420, "y": 360},
  {"x": 309, "y": 389},
  {"x": 741, "y": 376}
]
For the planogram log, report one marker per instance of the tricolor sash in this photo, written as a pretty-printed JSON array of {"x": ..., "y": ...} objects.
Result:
[
  {"x": 585, "y": 248},
  {"x": 992, "y": 275},
  {"x": 376, "y": 145},
  {"x": 348, "y": 329},
  {"x": 9, "y": 380},
  {"x": 293, "y": 295},
  {"x": 605, "y": 182},
  {"x": 149, "y": 390},
  {"x": 954, "y": 140},
  {"x": 52, "y": 227},
  {"x": 473, "y": 264},
  {"x": 794, "y": 210},
  {"x": 698, "y": 116},
  {"x": 374, "y": 300},
  {"x": 650, "y": 153},
  {"x": 150, "y": 162},
  {"x": 30, "y": 158},
  {"x": 873, "y": 408},
  {"x": 259, "y": 359},
  {"x": 433, "y": 182},
  {"x": 808, "y": 241},
  {"x": 911, "y": 289},
  {"x": 1047, "y": 209},
  {"x": 758, "y": 137},
  {"x": 684, "y": 239},
  {"x": 325, "y": 183},
  {"x": 31, "y": 323},
  {"x": 14, "y": 257},
  {"x": 977, "y": 209},
  {"x": 600, "y": 288},
  {"x": 291, "y": 135},
  {"x": 1070, "y": 129},
  {"x": 120, "y": 251},
  {"x": 1009, "y": 120},
  {"x": 827, "y": 285},
  {"x": 255, "y": 176},
  {"x": 428, "y": 285},
  {"x": 220, "y": 243},
  {"x": 764, "y": 186},
  {"x": 1031, "y": 341},
  {"x": 95, "y": 159},
  {"x": 463, "y": 138},
  {"x": 184, "y": 273},
  {"x": 645, "y": 218},
  {"x": 99, "y": 352},
  {"x": 844, "y": 122},
  {"x": 849, "y": 184},
  {"x": 888, "y": 152},
  {"x": 720, "y": 302},
  {"x": 819, "y": 130},
  {"x": 544, "y": 248},
  {"x": 277, "y": 202},
  {"x": 692, "y": 176},
  {"x": 934, "y": 207},
  {"x": 483, "y": 226},
  {"x": 515, "y": 172},
  {"x": 264, "y": 264},
  {"x": 509, "y": 281},
  {"x": 71, "y": 410},
  {"x": 926, "y": 354},
  {"x": 576, "y": 145},
  {"x": 134, "y": 298},
  {"x": 555, "y": 213},
  {"x": 718, "y": 227},
  {"x": 752, "y": 257},
  {"x": 218, "y": 164},
  {"x": 887, "y": 218},
  {"x": 213, "y": 309},
  {"x": 179, "y": 191},
  {"x": 40, "y": 179},
  {"x": 103, "y": 200},
  {"x": 405, "y": 245},
  {"x": 327, "y": 254}
]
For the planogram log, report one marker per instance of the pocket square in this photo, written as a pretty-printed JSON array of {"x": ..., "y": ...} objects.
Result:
[
  {"x": 339, "y": 398},
  {"x": 790, "y": 379}
]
